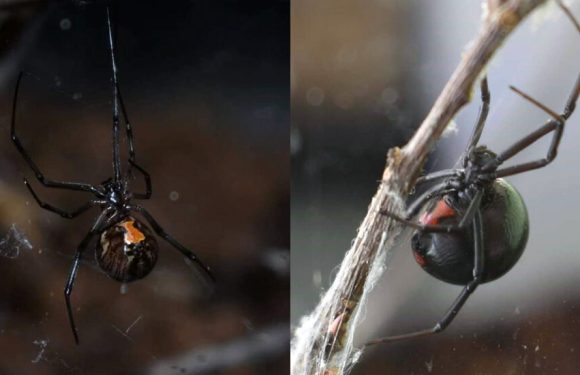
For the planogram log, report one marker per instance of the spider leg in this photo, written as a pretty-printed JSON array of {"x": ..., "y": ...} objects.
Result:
[
  {"x": 38, "y": 174},
  {"x": 466, "y": 218},
  {"x": 118, "y": 102},
  {"x": 148, "y": 189},
  {"x": 437, "y": 175},
  {"x": 473, "y": 140},
  {"x": 569, "y": 14},
  {"x": 132, "y": 162},
  {"x": 478, "y": 267},
  {"x": 483, "y": 112},
  {"x": 556, "y": 125},
  {"x": 75, "y": 266},
  {"x": 435, "y": 191},
  {"x": 66, "y": 214},
  {"x": 167, "y": 237},
  {"x": 116, "y": 147}
]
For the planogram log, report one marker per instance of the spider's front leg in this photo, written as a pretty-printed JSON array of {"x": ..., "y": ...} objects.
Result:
[
  {"x": 118, "y": 98},
  {"x": 66, "y": 214},
  {"x": 132, "y": 161},
  {"x": 79, "y": 186},
  {"x": 555, "y": 125}
]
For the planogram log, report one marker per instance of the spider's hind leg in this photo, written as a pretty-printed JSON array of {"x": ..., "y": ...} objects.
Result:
[
  {"x": 95, "y": 229},
  {"x": 478, "y": 270},
  {"x": 167, "y": 237}
]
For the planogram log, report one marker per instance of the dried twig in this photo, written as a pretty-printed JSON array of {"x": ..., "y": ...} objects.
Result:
[{"x": 322, "y": 345}]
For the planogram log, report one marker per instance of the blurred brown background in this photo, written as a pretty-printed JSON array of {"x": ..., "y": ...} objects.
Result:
[
  {"x": 206, "y": 88},
  {"x": 364, "y": 75}
]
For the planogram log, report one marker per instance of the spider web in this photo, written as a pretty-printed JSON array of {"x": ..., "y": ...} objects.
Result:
[
  {"x": 308, "y": 349},
  {"x": 13, "y": 242}
]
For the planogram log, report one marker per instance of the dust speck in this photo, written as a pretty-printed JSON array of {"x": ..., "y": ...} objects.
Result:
[
  {"x": 65, "y": 24},
  {"x": 315, "y": 96},
  {"x": 42, "y": 344},
  {"x": 429, "y": 365}
]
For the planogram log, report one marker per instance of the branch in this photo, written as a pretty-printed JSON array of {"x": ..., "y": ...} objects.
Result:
[{"x": 323, "y": 343}]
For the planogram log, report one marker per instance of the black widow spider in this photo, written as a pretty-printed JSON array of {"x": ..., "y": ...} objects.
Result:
[
  {"x": 474, "y": 208},
  {"x": 127, "y": 250}
]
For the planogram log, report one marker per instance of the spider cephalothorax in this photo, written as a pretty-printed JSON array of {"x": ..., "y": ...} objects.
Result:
[
  {"x": 481, "y": 164},
  {"x": 478, "y": 173},
  {"x": 117, "y": 194}
]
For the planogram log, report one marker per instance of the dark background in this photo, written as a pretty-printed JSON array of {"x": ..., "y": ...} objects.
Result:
[{"x": 206, "y": 88}]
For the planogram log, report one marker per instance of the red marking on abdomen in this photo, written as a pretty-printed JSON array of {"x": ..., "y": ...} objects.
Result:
[
  {"x": 422, "y": 262},
  {"x": 132, "y": 234},
  {"x": 441, "y": 211}
]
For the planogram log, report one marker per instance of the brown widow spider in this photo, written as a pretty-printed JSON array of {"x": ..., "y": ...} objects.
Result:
[{"x": 126, "y": 250}]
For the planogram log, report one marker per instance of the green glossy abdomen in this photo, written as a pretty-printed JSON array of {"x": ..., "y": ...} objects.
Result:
[{"x": 449, "y": 256}]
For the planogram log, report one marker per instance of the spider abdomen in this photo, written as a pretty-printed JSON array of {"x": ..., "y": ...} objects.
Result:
[
  {"x": 449, "y": 256},
  {"x": 127, "y": 251}
]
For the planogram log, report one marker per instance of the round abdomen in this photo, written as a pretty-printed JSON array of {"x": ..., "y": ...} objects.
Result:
[
  {"x": 449, "y": 256},
  {"x": 127, "y": 251}
]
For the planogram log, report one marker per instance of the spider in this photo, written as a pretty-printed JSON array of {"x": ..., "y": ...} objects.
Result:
[
  {"x": 478, "y": 226},
  {"x": 127, "y": 249}
]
